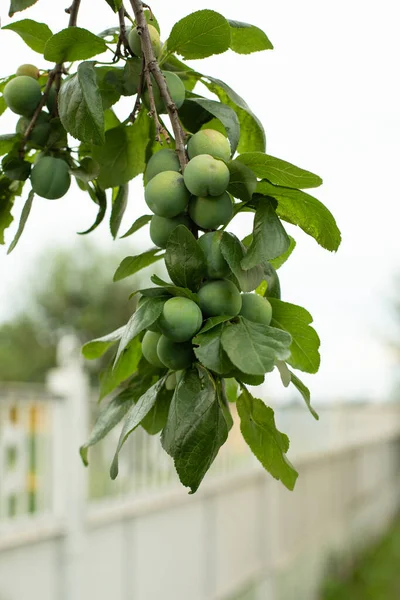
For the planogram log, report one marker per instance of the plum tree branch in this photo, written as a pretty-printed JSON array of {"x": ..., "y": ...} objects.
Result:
[
  {"x": 154, "y": 68},
  {"x": 122, "y": 39},
  {"x": 72, "y": 11}
]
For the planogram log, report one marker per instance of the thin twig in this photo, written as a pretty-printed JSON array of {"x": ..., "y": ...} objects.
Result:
[
  {"x": 161, "y": 131},
  {"x": 72, "y": 11},
  {"x": 154, "y": 68},
  {"x": 150, "y": 11},
  {"x": 122, "y": 38},
  {"x": 133, "y": 115}
]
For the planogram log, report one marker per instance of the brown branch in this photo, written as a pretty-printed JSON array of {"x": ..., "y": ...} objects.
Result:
[
  {"x": 154, "y": 68},
  {"x": 161, "y": 131},
  {"x": 122, "y": 38},
  {"x": 133, "y": 115},
  {"x": 72, "y": 11}
]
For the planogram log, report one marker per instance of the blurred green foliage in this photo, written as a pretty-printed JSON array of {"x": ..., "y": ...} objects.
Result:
[
  {"x": 376, "y": 575},
  {"x": 68, "y": 290}
]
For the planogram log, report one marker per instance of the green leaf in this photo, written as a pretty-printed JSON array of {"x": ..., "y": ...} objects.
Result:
[
  {"x": 268, "y": 444},
  {"x": 243, "y": 182},
  {"x": 305, "y": 341},
  {"x": 16, "y": 168},
  {"x": 252, "y": 135},
  {"x": 210, "y": 351},
  {"x": 35, "y": 35},
  {"x": 157, "y": 417},
  {"x": 3, "y": 107},
  {"x": 253, "y": 348},
  {"x": 175, "y": 290},
  {"x": 196, "y": 427},
  {"x": 246, "y": 38},
  {"x": 24, "y": 217},
  {"x": 132, "y": 264},
  {"x": 233, "y": 251},
  {"x": 299, "y": 208},
  {"x": 270, "y": 239},
  {"x": 118, "y": 209},
  {"x": 279, "y": 172},
  {"x": 80, "y": 105},
  {"x": 109, "y": 92},
  {"x": 114, "y": 4},
  {"x": 147, "y": 313},
  {"x": 213, "y": 322},
  {"x": 280, "y": 260},
  {"x": 99, "y": 197},
  {"x": 124, "y": 367},
  {"x": 230, "y": 388},
  {"x": 19, "y": 5},
  {"x": 225, "y": 114},
  {"x": 8, "y": 190},
  {"x": 305, "y": 392},
  {"x": 123, "y": 155},
  {"x": 73, "y": 43},
  {"x": 96, "y": 348},
  {"x": 7, "y": 142},
  {"x": 134, "y": 417},
  {"x": 200, "y": 34},
  {"x": 138, "y": 224},
  {"x": 184, "y": 259},
  {"x": 110, "y": 415}
]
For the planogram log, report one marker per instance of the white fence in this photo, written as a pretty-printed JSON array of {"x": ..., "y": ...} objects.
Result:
[{"x": 67, "y": 533}]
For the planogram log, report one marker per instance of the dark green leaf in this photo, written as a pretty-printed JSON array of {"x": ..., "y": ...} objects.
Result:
[
  {"x": 243, "y": 182},
  {"x": 184, "y": 259},
  {"x": 252, "y": 135},
  {"x": 7, "y": 142},
  {"x": 138, "y": 224},
  {"x": 305, "y": 392},
  {"x": 280, "y": 260},
  {"x": 134, "y": 417},
  {"x": 123, "y": 155},
  {"x": 118, "y": 209},
  {"x": 269, "y": 236},
  {"x": 132, "y": 264},
  {"x": 110, "y": 415},
  {"x": 305, "y": 341},
  {"x": 200, "y": 34},
  {"x": 18, "y": 5},
  {"x": 131, "y": 76},
  {"x": 147, "y": 313},
  {"x": 193, "y": 116},
  {"x": 16, "y": 168},
  {"x": 96, "y": 348},
  {"x": 270, "y": 287},
  {"x": 73, "y": 43},
  {"x": 124, "y": 367},
  {"x": 115, "y": 4},
  {"x": 175, "y": 290},
  {"x": 307, "y": 212},
  {"x": 225, "y": 114},
  {"x": 279, "y": 172},
  {"x": 8, "y": 190},
  {"x": 269, "y": 445},
  {"x": 230, "y": 388},
  {"x": 3, "y": 107},
  {"x": 109, "y": 92},
  {"x": 213, "y": 322},
  {"x": 35, "y": 35},
  {"x": 24, "y": 217},
  {"x": 80, "y": 105},
  {"x": 246, "y": 38},
  {"x": 233, "y": 251},
  {"x": 196, "y": 427},
  {"x": 156, "y": 418},
  {"x": 210, "y": 351},
  {"x": 99, "y": 197},
  {"x": 253, "y": 348}
]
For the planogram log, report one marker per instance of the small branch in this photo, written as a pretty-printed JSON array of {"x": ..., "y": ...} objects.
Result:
[
  {"x": 72, "y": 11},
  {"x": 161, "y": 131},
  {"x": 150, "y": 11},
  {"x": 122, "y": 39},
  {"x": 133, "y": 115},
  {"x": 154, "y": 68}
]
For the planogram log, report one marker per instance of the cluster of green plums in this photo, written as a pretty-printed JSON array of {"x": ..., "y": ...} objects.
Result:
[
  {"x": 198, "y": 195},
  {"x": 50, "y": 176}
]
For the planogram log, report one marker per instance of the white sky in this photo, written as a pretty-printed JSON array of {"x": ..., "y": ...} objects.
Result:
[{"x": 329, "y": 98}]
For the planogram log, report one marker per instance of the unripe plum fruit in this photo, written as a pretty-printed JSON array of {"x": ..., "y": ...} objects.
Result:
[
  {"x": 206, "y": 176},
  {"x": 166, "y": 194},
  {"x": 41, "y": 131},
  {"x": 220, "y": 297},
  {"x": 217, "y": 267},
  {"x": 175, "y": 355},
  {"x": 180, "y": 319},
  {"x": 28, "y": 70},
  {"x": 209, "y": 212},
  {"x": 134, "y": 40},
  {"x": 256, "y": 308},
  {"x": 163, "y": 160},
  {"x": 22, "y": 95},
  {"x": 170, "y": 383},
  {"x": 161, "y": 228},
  {"x": 149, "y": 348},
  {"x": 209, "y": 141},
  {"x": 50, "y": 177},
  {"x": 176, "y": 89}
]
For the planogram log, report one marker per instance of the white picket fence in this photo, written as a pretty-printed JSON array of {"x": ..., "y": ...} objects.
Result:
[{"x": 67, "y": 533}]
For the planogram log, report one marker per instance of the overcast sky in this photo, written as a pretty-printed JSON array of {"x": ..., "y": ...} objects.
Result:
[{"x": 329, "y": 98}]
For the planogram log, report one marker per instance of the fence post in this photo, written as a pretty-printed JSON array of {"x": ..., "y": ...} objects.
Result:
[{"x": 70, "y": 383}]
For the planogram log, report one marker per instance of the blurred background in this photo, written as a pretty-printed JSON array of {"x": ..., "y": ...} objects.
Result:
[{"x": 329, "y": 100}]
